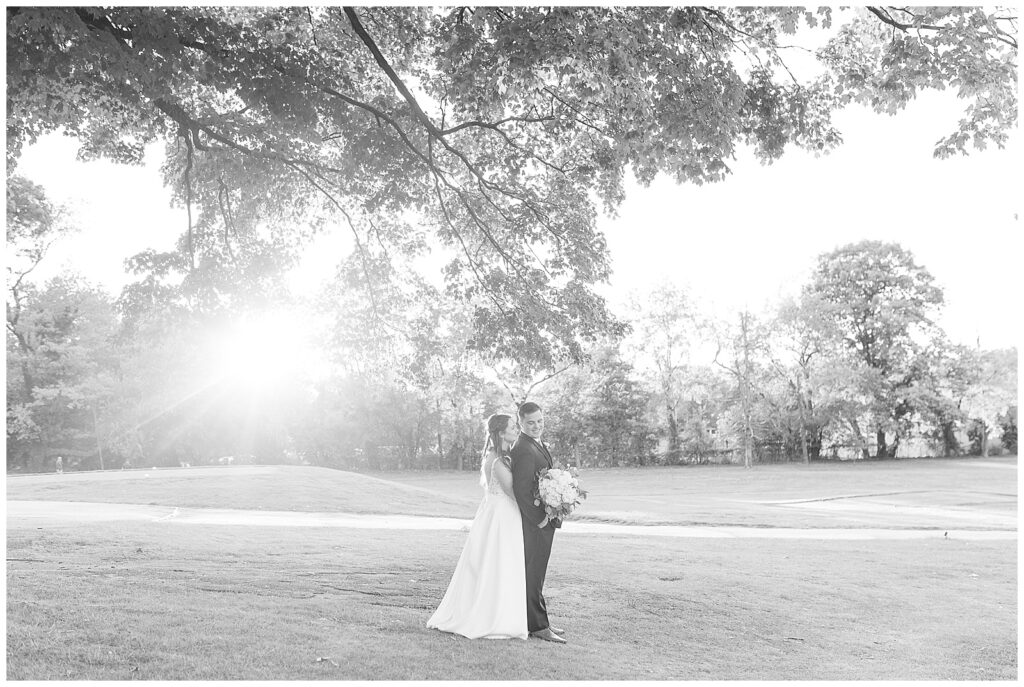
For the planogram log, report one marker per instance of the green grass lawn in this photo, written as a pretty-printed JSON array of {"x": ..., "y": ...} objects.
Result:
[
  {"x": 939, "y": 494},
  {"x": 903, "y": 493},
  {"x": 166, "y": 600},
  {"x": 307, "y": 489}
]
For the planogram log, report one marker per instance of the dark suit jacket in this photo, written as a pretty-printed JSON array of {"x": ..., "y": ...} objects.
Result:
[{"x": 529, "y": 456}]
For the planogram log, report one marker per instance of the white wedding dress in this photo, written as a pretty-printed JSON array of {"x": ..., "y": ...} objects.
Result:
[{"x": 487, "y": 594}]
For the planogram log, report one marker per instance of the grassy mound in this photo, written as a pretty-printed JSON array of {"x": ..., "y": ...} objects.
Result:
[{"x": 284, "y": 488}]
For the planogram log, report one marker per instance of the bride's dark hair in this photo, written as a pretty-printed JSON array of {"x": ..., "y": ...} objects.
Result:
[{"x": 496, "y": 424}]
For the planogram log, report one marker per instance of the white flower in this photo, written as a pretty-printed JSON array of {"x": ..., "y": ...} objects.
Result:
[{"x": 559, "y": 489}]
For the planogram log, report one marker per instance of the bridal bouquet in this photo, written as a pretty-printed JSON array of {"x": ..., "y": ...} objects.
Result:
[{"x": 559, "y": 491}]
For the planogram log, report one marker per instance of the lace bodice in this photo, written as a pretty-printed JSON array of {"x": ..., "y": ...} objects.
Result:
[{"x": 494, "y": 481}]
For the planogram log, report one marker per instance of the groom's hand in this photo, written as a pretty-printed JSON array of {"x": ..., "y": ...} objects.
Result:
[{"x": 544, "y": 522}]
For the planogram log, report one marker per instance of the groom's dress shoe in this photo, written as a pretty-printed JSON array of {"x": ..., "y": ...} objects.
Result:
[
  {"x": 556, "y": 630},
  {"x": 547, "y": 635}
]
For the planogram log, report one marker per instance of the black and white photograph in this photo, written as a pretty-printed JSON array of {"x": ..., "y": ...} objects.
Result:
[{"x": 530, "y": 343}]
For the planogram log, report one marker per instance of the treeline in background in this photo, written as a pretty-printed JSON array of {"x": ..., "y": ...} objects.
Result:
[{"x": 171, "y": 372}]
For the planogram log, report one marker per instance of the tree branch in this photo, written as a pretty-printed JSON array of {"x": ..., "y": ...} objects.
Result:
[
  {"x": 187, "y": 179},
  {"x": 888, "y": 19},
  {"x": 576, "y": 110},
  {"x": 312, "y": 27},
  {"x": 541, "y": 381},
  {"x": 355, "y": 235},
  {"x": 421, "y": 116},
  {"x": 310, "y": 170},
  {"x": 190, "y": 123},
  {"x": 395, "y": 79},
  {"x": 38, "y": 258},
  {"x": 472, "y": 263},
  {"x": 494, "y": 125},
  {"x": 224, "y": 201}
]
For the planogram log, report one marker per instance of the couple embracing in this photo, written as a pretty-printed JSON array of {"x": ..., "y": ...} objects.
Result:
[{"x": 496, "y": 591}]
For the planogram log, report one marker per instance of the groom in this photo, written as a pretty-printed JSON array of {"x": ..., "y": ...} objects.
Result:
[{"x": 530, "y": 455}]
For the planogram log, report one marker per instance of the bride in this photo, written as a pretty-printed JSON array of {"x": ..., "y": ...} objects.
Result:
[{"x": 487, "y": 594}]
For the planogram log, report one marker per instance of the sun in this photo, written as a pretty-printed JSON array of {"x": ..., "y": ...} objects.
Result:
[{"x": 263, "y": 351}]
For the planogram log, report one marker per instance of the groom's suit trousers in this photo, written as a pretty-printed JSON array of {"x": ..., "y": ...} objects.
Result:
[{"x": 537, "y": 548}]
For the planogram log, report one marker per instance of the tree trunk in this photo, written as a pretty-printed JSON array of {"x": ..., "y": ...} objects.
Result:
[
  {"x": 745, "y": 393},
  {"x": 26, "y": 350},
  {"x": 949, "y": 442},
  {"x": 748, "y": 430},
  {"x": 803, "y": 422},
  {"x": 96, "y": 434},
  {"x": 30, "y": 382},
  {"x": 984, "y": 440},
  {"x": 440, "y": 448},
  {"x": 816, "y": 445},
  {"x": 880, "y": 445},
  {"x": 859, "y": 438},
  {"x": 141, "y": 449},
  {"x": 673, "y": 435}
]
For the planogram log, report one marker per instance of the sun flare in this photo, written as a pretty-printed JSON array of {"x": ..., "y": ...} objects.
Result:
[{"x": 263, "y": 351}]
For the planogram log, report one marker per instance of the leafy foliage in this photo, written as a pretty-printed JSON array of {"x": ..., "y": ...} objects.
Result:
[
  {"x": 495, "y": 134},
  {"x": 881, "y": 303},
  {"x": 665, "y": 331},
  {"x": 991, "y": 392},
  {"x": 1009, "y": 426},
  {"x": 61, "y": 367},
  {"x": 491, "y": 138},
  {"x": 886, "y": 55},
  {"x": 598, "y": 412},
  {"x": 160, "y": 396}
]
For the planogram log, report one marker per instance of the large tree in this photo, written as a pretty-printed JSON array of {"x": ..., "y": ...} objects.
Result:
[
  {"x": 946, "y": 372},
  {"x": 596, "y": 411},
  {"x": 61, "y": 367},
  {"x": 666, "y": 329},
  {"x": 485, "y": 129},
  {"x": 801, "y": 337},
  {"x": 742, "y": 348},
  {"x": 881, "y": 304}
]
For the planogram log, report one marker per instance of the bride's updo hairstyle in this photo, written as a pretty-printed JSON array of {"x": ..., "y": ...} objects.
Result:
[{"x": 496, "y": 424}]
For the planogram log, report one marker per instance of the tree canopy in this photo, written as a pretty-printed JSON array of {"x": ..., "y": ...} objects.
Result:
[
  {"x": 497, "y": 134},
  {"x": 882, "y": 303}
]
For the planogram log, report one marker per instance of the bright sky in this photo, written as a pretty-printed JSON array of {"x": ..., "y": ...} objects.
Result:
[
  {"x": 755, "y": 237},
  {"x": 743, "y": 242}
]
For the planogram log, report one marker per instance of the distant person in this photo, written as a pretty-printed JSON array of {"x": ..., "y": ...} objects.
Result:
[
  {"x": 60, "y": 464},
  {"x": 487, "y": 593}
]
